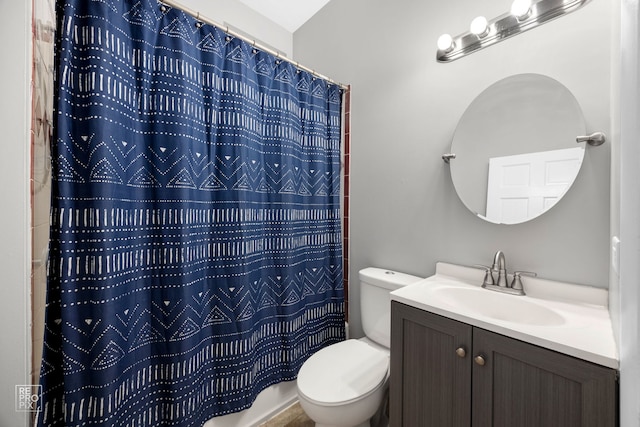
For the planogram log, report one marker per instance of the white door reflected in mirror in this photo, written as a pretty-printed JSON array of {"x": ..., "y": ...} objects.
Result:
[{"x": 524, "y": 186}]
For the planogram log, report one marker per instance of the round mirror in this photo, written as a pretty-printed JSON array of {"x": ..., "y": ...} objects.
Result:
[{"x": 516, "y": 150}]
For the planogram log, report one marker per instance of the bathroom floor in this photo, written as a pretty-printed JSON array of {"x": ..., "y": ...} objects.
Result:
[{"x": 293, "y": 416}]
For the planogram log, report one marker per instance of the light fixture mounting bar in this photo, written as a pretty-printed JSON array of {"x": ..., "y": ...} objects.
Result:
[{"x": 507, "y": 25}]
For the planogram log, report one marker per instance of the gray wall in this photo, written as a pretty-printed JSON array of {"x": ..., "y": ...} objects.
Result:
[
  {"x": 15, "y": 256},
  {"x": 405, "y": 214},
  {"x": 242, "y": 17}
]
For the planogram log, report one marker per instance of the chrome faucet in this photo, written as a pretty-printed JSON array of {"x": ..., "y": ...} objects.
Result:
[
  {"x": 500, "y": 284},
  {"x": 500, "y": 266}
]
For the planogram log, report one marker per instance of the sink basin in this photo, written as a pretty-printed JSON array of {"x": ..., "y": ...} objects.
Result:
[{"x": 508, "y": 308}]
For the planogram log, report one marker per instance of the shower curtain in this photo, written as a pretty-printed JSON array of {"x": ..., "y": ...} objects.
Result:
[{"x": 195, "y": 254}]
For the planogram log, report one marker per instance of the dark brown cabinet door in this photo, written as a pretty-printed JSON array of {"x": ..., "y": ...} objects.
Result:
[
  {"x": 430, "y": 370},
  {"x": 436, "y": 380},
  {"x": 523, "y": 385}
]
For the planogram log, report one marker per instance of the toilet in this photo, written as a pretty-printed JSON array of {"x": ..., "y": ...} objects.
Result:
[{"x": 344, "y": 384}]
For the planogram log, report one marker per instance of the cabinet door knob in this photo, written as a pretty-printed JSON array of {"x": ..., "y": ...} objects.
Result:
[
  {"x": 479, "y": 360},
  {"x": 460, "y": 351}
]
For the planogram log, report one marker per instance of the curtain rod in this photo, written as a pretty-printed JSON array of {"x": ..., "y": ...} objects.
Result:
[{"x": 253, "y": 43}]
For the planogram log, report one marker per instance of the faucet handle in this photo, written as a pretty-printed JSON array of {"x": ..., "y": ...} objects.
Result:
[
  {"x": 488, "y": 275},
  {"x": 516, "y": 283}
]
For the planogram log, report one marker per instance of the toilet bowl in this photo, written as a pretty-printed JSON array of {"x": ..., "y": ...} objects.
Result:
[{"x": 344, "y": 384}]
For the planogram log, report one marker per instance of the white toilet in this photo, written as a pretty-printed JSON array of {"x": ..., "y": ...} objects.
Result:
[{"x": 343, "y": 385}]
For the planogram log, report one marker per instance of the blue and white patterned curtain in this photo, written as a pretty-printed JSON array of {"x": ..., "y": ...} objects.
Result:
[{"x": 195, "y": 251}]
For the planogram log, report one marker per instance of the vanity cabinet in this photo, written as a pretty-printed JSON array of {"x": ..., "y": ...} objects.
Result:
[{"x": 448, "y": 373}]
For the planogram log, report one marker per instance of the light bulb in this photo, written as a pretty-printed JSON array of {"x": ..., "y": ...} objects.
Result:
[
  {"x": 479, "y": 26},
  {"x": 445, "y": 43},
  {"x": 521, "y": 9}
]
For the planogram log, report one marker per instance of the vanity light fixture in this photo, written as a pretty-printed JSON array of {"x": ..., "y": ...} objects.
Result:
[
  {"x": 521, "y": 9},
  {"x": 445, "y": 43},
  {"x": 524, "y": 15},
  {"x": 480, "y": 27}
]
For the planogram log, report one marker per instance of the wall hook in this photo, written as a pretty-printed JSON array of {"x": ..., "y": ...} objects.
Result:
[{"x": 595, "y": 139}]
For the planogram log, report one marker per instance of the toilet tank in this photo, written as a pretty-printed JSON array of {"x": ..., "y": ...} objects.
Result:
[{"x": 375, "y": 301}]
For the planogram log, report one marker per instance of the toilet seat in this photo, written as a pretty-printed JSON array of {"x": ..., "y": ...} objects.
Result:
[{"x": 342, "y": 373}]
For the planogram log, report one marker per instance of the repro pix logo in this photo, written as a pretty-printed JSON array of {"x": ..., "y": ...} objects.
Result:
[{"x": 28, "y": 398}]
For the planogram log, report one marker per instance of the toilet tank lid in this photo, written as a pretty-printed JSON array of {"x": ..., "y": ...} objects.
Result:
[{"x": 387, "y": 278}]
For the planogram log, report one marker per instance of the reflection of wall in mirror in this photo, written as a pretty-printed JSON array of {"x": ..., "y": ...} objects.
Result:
[{"x": 523, "y": 186}]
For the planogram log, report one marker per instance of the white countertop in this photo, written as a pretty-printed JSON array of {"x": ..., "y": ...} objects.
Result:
[{"x": 579, "y": 326}]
